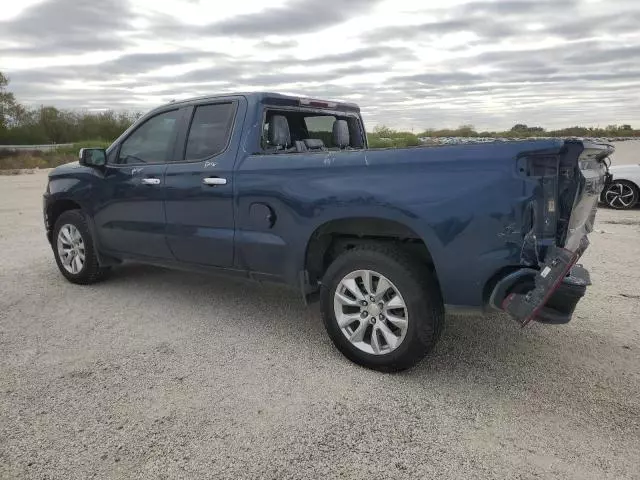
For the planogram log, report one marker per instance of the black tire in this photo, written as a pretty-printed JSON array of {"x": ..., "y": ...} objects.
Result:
[
  {"x": 417, "y": 286},
  {"x": 91, "y": 271},
  {"x": 612, "y": 193}
]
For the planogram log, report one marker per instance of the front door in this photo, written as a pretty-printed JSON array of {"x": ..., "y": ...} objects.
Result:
[
  {"x": 130, "y": 216},
  {"x": 199, "y": 185}
]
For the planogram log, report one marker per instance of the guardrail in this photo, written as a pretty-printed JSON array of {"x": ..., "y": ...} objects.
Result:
[{"x": 41, "y": 148}]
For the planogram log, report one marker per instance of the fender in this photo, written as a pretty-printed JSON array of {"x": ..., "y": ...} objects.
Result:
[{"x": 54, "y": 199}]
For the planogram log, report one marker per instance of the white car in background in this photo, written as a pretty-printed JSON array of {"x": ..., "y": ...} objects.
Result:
[{"x": 624, "y": 190}]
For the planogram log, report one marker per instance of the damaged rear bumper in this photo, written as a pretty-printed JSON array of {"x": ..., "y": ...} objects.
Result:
[
  {"x": 548, "y": 289},
  {"x": 551, "y": 294},
  {"x": 561, "y": 304}
]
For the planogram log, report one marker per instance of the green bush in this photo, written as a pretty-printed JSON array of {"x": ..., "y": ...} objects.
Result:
[{"x": 385, "y": 137}]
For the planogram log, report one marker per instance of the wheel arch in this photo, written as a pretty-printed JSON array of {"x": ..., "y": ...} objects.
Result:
[
  {"x": 635, "y": 183},
  {"x": 334, "y": 236},
  {"x": 56, "y": 208}
]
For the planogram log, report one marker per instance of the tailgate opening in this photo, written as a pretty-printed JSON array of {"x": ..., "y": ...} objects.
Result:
[{"x": 549, "y": 290}]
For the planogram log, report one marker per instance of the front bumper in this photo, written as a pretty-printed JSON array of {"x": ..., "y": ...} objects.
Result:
[{"x": 45, "y": 209}]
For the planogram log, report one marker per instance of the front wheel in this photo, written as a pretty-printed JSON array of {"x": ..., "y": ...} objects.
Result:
[
  {"x": 381, "y": 308},
  {"x": 74, "y": 251}
]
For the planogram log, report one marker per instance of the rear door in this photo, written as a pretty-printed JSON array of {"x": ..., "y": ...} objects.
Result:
[
  {"x": 199, "y": 184},
  {"x": 129, "y": 214}
]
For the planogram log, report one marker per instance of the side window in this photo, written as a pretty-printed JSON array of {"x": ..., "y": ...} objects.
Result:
[
  {"x": 321, "y": 128},
  {"x": 210, "y": 130},
  {"x": 151, "y": 142}
]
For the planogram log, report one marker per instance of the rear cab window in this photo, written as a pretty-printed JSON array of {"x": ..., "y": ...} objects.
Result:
[
  {"x": 307, "y": 130},
  {"x": 321, "y": 127}
]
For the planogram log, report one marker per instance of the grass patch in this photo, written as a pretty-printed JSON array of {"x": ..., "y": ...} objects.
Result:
[
  {"x": 32, "y": 159},
  {"x": 15, "y": 161},
  {"x": 75, "y": 148}
]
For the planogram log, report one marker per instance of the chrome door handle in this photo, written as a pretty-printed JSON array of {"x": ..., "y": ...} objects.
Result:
[
  {"x": 214, "y": 181},
  {"x": 151, "y": 181}
]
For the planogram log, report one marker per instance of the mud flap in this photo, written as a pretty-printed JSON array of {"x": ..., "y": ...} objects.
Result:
[{"x": 558, "y": 263}]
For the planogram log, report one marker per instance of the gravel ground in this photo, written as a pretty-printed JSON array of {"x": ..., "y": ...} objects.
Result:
[{"x": 163, "y": 374}]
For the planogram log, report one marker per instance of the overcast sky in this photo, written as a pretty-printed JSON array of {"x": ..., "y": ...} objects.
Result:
[{"x": 409, "y": 64}]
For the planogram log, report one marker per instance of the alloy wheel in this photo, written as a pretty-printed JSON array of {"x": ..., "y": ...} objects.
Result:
[
  {"x": 371, "y": 312},
  {"x": 620, "y": 195},
  {"x": 71, "y": 248}
]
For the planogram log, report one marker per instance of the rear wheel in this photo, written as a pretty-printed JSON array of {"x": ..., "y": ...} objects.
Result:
[
  {"x": 73, "y": 249},
  {"x": 380, "y": 308},
  {"x": 621, "y": 195}
]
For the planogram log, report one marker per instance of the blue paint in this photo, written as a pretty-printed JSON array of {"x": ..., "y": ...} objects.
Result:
[{"x": 469, "y": 203}]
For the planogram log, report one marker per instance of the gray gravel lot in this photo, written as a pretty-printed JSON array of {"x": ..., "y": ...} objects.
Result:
[{"x": 163, "y": 374}]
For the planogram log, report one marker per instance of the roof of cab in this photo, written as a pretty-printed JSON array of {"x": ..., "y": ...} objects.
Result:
[{"x": 259, "y": 97}]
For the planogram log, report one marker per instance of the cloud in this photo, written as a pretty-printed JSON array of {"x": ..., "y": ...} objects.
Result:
[
  {"x": 489, "y": 63},
  {"x": 241, "y": 77},
  {"x": 278, "y": 45},
  {"x": 603, "y": 56},
  {"x": 509, "y": 8},
  {"x": 360, "y": 54},
  {"x": 143, "y": 62},
  {"x": 508, "y": 20},
  {"x": 68, "y": 26},
  {"x": 222, "y": 66},
  {"x": 295, "y": 17},
  {"x": 414, "y": 31},
  {"x": 447, "y": 78}
]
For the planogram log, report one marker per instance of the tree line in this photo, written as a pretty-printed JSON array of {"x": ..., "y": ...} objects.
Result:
[
  {"x": 382, "y": 136},
  {"x": 46, "y": 124},
  {"x": 21, "y": 125},
  {"x": 522, "y": 131}
]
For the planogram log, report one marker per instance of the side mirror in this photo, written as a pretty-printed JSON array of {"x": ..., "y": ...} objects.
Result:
[{"x": 93, "y": 157}]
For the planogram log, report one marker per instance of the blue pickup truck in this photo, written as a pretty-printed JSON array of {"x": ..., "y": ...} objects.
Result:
[{"x": 281, "y": 188}]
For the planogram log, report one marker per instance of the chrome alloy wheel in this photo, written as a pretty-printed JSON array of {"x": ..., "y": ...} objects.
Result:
[
  {"x": 71, "y": 249},
  {"x": 370, "y": 312},
  {"x": 619, "y": 195}
]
